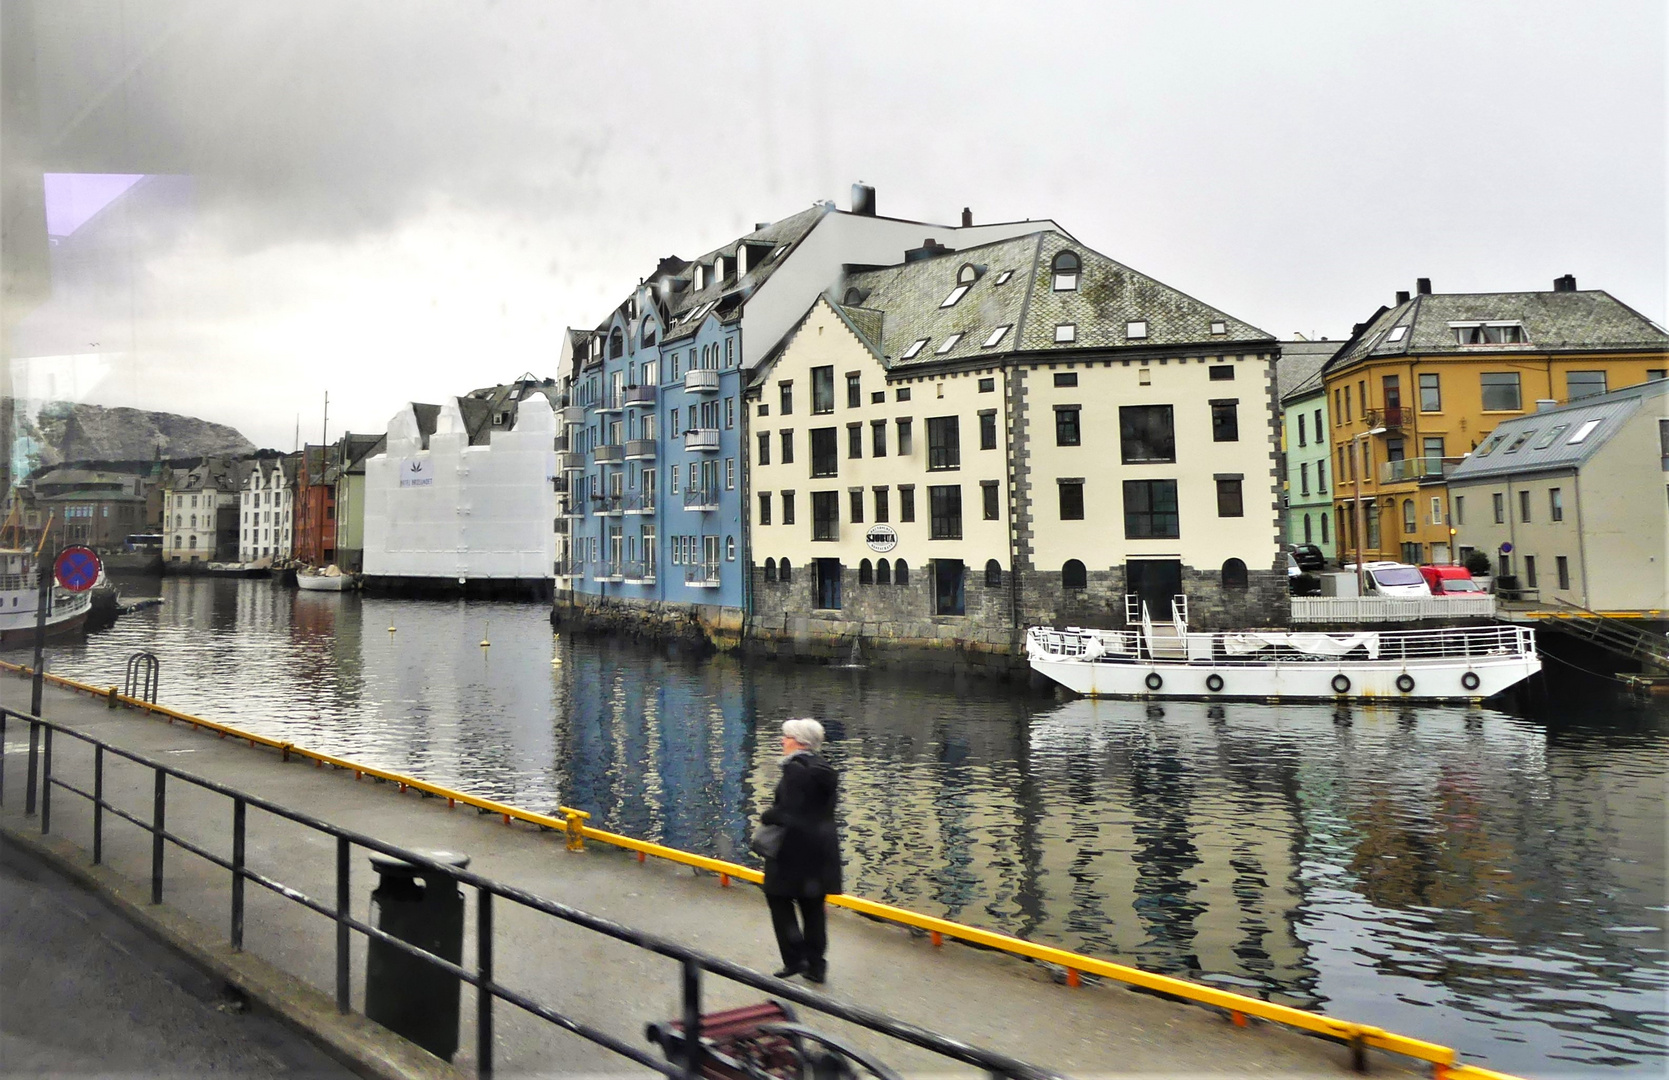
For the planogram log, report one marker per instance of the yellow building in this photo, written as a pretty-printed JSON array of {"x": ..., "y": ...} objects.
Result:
[{"x": 1420, "y": 384}]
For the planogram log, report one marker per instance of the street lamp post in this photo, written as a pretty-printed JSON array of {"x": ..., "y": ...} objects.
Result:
[{"x": 1361, "y": 574}]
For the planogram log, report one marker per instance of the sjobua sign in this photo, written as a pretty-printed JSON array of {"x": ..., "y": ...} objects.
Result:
[{"x": 881, "y": 538}]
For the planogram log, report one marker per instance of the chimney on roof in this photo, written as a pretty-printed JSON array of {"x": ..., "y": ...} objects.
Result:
[
  {"x": 929, "y": 248},
  {"x": 1565, "y": 284},
  {"x": 863, "y": 200},
  {"x": 967, "y": 217},
  {"x": 1423, "y": 286},
  {"x": 1402, "y": 297}
]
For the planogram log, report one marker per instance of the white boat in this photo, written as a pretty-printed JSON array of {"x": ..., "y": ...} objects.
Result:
[
  {"x": 1166, "y": 660},
  {"x": 329, "y": 579},
  {"x": 20, "y": 592}
]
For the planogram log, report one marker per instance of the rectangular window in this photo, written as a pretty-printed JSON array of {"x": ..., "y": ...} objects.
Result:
[
  {"x": 988, "y": 493},
  {"x": 825, "y": 515},
  {"x": 877, "y": 438},
  {"x": 1500, "y": 391},
  {"x": 786, "y": 406},
  {"x": 855, "y": 497},
  {"x": 881, "y": 509},
  {"x": 988, "y": 430},
  {"x": 1500, "y": 508},
  {"x": 988, "y": 386},
  {"x": 944, "y": 443},
  {"x": 788, "y": 508},
  {"x": 729, "y": 414},
  {"x": 1304, "y": 477},
  {"x": 1530, "y": 571},
  {"x": 1431, "y": 394},
  {"x": 906, "y": 502},
  {"x": 1562, "y": 565},
  {"x": 1067, "y": 432},
  {"x": 901, "y": 394},
  {"x": 1555, "y": 504},
  {"x": 1221, "y": 372},
  {"x": 1071, "y": 499},
  {"x": 1066, "y": 378},
  {"x": 788, "y": 448},
  {"x": 1347, "y": 404},
  {"x": 1583, "y": 384},
  {"x": 822, "y": 390},
  {"x": 764, "y": 448},
  {"x": 854, "y": 440},
  {"x": 675, "y": 479},
  {"x": 1460, "y": 509},
  {"x": 1301, "y": 419},
  {"x": 729, "y": 352},
  {"x": 1524, "y": 506},
  {"x": 945, "y": 512},
  {"x": 764, "y": 508},
  {"x": 1318, "y": 435},
  {"x": 730, "y": 474},
  {"x": 1229, "y": 502},
  {"x": 1150, "y": 510},
  {"x": 1225, "y": 420},
  {"x": 1147, "y": 434},
  {"x": 854, "y": 391},
  {"x": 825, "y": 452},
  {"x": 906, "y": 441}
]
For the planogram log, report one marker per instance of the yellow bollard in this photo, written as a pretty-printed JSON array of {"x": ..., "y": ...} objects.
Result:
[{"x": 576, "y": 831}]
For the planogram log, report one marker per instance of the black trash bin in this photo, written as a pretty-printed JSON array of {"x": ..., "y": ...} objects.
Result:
[{"x": 407, "y": 994}]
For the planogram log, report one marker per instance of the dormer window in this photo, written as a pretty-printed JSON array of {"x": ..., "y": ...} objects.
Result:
[
  {"x": 646, "y": 335},
  {"x": 1489, "y": 333},
  {"x": 1219, "y": 328},
  {"x": 616, "y": 344},
  {"x": 1135, "y": 330},
  {"x": 967, "y": 275},
  {"x": 955, "y": 294},
  {"x": 1066, "y": 267}
]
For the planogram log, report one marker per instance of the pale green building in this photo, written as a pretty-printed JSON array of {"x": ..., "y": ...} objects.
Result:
[{"x": 1307, "y": 491}]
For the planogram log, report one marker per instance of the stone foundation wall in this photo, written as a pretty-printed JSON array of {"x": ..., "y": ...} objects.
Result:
[{"x": 703, "y": 625}]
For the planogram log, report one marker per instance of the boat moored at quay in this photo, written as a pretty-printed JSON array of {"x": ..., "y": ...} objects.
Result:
[
  {"x": 66, "y": 611},
  {"x": 1167, "y": 660}
]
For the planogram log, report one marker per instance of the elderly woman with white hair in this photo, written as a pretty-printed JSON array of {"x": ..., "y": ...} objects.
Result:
[{"x": 802, "y": 860}]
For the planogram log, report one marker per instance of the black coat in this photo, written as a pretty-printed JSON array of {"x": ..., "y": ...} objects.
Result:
[{"x": 809, "y": 862}]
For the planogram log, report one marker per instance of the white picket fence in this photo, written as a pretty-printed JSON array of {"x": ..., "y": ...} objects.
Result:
[{"x": 1365, "y": 609}]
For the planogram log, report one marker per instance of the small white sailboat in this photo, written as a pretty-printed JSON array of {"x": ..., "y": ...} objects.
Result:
[
  {"x": 330, "y": 579},
  {"x": 1166, "y": 660}
]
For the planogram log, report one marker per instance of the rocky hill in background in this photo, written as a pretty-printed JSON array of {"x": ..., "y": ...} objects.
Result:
[{"x": 75, "y": 432}]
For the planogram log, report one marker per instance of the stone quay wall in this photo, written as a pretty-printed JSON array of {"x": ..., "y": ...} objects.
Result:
[{"x": 703, "y": 625}]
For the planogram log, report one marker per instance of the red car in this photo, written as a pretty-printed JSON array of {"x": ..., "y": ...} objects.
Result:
[{"x": 1447, "y": 580}]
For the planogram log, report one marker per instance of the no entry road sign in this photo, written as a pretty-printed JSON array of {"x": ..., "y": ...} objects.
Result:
[{"x": 77, "y": 568}]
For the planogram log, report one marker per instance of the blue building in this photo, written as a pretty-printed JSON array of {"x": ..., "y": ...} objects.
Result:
[{"x": 652, "y": 455}]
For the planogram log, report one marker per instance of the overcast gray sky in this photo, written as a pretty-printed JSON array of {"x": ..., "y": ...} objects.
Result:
[{"x": 396, "y": 201}]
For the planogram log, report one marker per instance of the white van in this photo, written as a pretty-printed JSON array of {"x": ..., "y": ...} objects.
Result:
[{"x": 1395, "y": 579}]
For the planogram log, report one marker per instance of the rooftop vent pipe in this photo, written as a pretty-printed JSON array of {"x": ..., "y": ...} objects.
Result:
[
  {"x": 967, "y": 217},
  {"x": 1423, "y": 286},
  {"x": 863, "y": 200},
  {"x": 1565, "y": 284}
]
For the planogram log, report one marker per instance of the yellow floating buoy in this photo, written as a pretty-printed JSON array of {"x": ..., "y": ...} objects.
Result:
[
  {"x": 390, "y": 629},
  {"x": 484, "y": 628}
]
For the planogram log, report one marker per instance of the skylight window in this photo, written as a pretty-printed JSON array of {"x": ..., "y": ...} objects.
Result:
[
  {"x": 1490, "y": 446},
  {"x": 1520, "y": 441},
  {"x": 915, "y": 347},
  {"x": 996, "y": 336},
  {"x": 1583, "y": 432},
  {"x": 1003, "y": 277},
  {"x": 1219, "y": 328},
  {"x": 1066, "y": 332},
  {"x": 950, "y": 343},
  {"x": 1136, "y": 330},
  {"x": 955, "y": 294},
  {"x": 1551, "y": 437},
  {"x": 1397, "y": 333}
]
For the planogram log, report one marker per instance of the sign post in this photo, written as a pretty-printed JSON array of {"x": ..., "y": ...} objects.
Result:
[{"x": 76, "y": 569}]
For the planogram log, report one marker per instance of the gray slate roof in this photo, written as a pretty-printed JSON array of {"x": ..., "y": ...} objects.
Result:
[
  {"x": 1494, "y": 456},
  {"x": 1553, "y": 322},
  {"x": 908, "y": 298},
  {"x": 1298, "y": 371}
]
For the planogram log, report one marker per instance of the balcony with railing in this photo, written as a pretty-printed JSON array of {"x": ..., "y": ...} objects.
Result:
[
  {"x": 609, "y": 402},
  {"x": 705, "y": 576},
  {"x": 640, "y": 502},
  {"x": 640, "y": 573},
  {"x": 571, "y": 414},
  {"x": 608, "y": 570},
  {"x": 1389, "y": 418},
  {"x": 612, "y": 505},
  {"x": 704, "y": 499},
  {"x": 640, "y": 449},
  {"x": 701, "y": 381},
  {"x": 640, "y": 396},
  {"x": 570, "y": 462},
  {"x": 609, "y": 454},
  {"x": 1416, "y": 468},
  {"x": 705, "y": 440},
  {"x": 562, "y": 443},
  {"x": 562, "y": 526}
]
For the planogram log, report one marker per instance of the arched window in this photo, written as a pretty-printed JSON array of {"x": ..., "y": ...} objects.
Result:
[
  {"x": 1065, "y": 268},
  {"x": 782, "y": 570},
  {"x": 883, "y": 573},
  {"x": 770, "y": 569},
  {"x": 866, "y": 573},
  {"x": 967, "y": 275},
  {"x": 1306, "y": 528},
  {"x": 854, "y": 297},
  {"x": 1234, "y": 574},
  {"x": 646, "y": 335},
  {"x": 1408, "y": 522},
  {"x": 901, "y": 573},
  {"x": 1324, "y": 528},
  {"x": 616, "y": 344},
  {"x": 993, "y": 574},
  {"x": 1073, "y": 575}
]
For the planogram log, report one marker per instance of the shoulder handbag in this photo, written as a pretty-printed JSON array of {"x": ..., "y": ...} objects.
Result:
[{"x": 767, "y": 841}]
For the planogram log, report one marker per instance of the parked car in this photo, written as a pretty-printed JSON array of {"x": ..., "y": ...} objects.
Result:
[
  {"x": 1386, "y": 578},
  {"x": 1449, "y": 580},
  {"x": 1308, "y": 557}
]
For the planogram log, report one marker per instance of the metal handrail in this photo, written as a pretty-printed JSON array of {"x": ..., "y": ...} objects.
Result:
[{"x": 693, "y": 962}]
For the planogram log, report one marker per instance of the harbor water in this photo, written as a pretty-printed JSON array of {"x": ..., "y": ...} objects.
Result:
[{"x": 1491, "y": 880}]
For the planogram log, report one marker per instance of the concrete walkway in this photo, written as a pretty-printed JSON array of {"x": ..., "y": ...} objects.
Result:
[{"x": 993, "y": 1000}]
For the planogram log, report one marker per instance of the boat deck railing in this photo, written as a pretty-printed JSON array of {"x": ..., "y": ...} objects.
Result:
[{"x": 1243, "y": 648}]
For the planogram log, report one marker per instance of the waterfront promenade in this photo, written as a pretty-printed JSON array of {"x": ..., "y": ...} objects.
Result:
[{"x": 995, "y": 1001}]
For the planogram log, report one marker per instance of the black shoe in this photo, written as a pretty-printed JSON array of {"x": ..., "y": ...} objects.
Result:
[
  {"x": 816, "y": 975},
  {"x": 790, "y": 971}
]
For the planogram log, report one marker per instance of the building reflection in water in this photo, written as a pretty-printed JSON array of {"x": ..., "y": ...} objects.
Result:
[{"x": 1468, "y": 876}]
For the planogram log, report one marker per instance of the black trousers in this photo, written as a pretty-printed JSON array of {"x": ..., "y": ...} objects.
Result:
[{"x": 804, "y": 940}]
